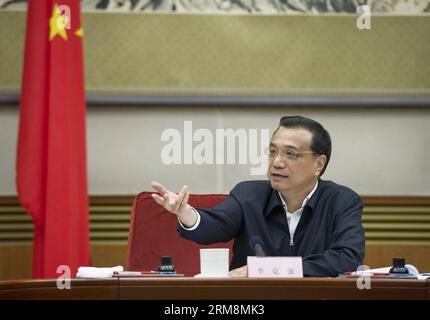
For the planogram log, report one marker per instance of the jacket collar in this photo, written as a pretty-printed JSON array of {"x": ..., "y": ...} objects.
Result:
[
  {"x": 275, "y": 200},
  {"x": 273, "y": 203},
  {"x": 312, "y": 203}
]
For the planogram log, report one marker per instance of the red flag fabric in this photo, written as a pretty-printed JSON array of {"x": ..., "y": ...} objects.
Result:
[{"x": 51, "y": 173}]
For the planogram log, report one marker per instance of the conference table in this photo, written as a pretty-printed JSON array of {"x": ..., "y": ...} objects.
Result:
[{"x": 184, "y": 288}]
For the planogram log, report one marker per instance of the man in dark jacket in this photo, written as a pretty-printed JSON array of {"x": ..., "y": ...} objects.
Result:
[{"x": 294, "y": 213}]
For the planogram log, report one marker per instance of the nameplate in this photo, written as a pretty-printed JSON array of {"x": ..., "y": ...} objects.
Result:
[{"x": 269, "y": 267}]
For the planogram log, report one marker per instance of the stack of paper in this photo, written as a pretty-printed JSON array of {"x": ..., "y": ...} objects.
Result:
[{"x": 93, "y": 272}]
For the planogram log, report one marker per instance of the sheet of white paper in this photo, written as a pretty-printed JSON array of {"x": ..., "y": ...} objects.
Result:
[{"x": 94, "y": 272}]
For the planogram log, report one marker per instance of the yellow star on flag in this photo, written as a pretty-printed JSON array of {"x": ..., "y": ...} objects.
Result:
[
  {"x": 80, "y": 32},
  {"x": 57, "y": 24}
]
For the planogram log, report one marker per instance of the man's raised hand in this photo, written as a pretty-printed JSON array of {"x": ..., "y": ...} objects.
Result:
[{"x": 175, "y": 203}]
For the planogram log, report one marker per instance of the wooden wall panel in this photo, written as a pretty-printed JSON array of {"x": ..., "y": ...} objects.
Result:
[
  {"x": 16, "y": 260},
  {"x": 382, "y": 256},
  {"x": 395, "y": 227}
]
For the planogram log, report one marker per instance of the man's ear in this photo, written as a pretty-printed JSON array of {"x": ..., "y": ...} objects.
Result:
[{"x": 321, "y": 161}]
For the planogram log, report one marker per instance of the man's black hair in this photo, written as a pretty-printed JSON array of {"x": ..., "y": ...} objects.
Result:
[{"x": 321, "y": 142}]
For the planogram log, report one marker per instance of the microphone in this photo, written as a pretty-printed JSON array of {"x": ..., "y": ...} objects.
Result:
[{"x": 256, "y": 244}]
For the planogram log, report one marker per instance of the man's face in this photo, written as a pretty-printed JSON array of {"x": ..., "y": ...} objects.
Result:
[{"x": 292, "y": 167}]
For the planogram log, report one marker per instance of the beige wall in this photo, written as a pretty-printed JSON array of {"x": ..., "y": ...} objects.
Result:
[
  {"x": 376, "y": 151},
  {"x": 244, "y": 55}
]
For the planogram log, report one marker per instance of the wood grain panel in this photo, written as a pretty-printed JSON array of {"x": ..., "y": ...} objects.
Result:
[{"x": 395, "y": 227}]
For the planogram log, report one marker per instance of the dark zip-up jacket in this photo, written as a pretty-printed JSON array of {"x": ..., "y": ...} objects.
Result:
[{"x": 329, "y": 236}]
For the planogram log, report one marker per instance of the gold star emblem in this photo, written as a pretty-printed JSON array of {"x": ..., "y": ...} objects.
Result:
[
  {"x": 57, "y": 24},
  {"x": 80, "y": 32}
]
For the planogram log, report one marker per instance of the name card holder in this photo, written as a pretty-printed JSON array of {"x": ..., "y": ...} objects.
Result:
[{"x": 275, "y": 267}]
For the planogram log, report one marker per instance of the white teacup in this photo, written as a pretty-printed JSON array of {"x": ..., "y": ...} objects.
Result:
[{"x": 214, "y": 262}]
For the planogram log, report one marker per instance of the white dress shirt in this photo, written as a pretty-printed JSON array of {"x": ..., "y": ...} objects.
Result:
[{"x": 294, "y": 217}]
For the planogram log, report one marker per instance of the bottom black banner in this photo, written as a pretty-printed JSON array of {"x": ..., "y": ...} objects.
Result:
[{"x": 252, "y": 309}]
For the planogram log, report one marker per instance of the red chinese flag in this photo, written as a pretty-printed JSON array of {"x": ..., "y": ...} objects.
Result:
[{"x": 51, "y": 169}]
